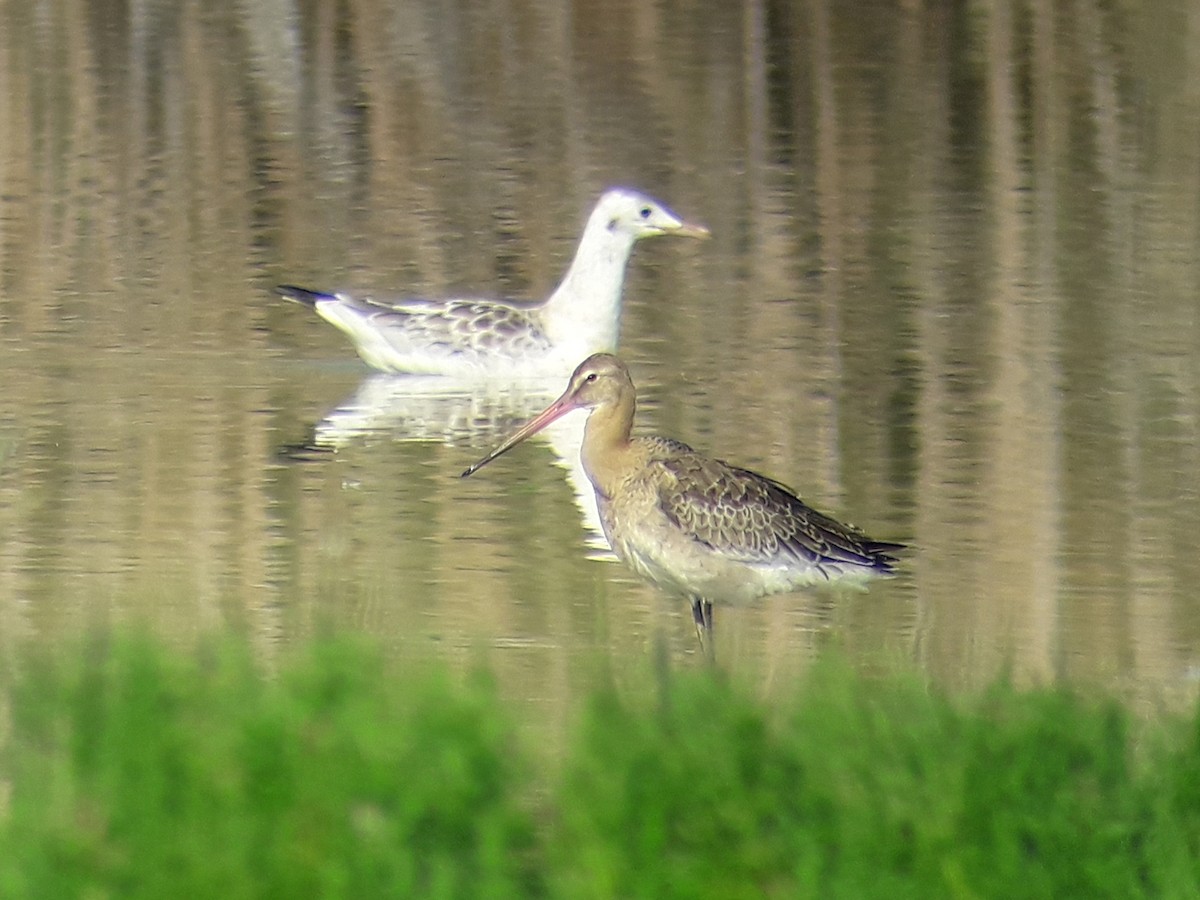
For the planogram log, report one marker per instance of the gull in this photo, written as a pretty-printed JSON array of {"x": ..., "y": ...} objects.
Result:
[{"x": 470, "y": 337}]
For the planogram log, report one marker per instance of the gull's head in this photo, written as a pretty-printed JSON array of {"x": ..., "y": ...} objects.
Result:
[{"x": 628, "y": 212}]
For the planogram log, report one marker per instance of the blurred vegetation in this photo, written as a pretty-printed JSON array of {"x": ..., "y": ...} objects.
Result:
[
  {"x": 131, "y": 769},
  {"x": 135, "y": 773}
]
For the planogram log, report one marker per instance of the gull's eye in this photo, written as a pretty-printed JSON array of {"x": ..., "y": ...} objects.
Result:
[{"x": 645, "y": 212}]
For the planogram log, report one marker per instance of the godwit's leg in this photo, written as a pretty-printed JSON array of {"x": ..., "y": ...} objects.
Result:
[{"x": 702, "y": 615}]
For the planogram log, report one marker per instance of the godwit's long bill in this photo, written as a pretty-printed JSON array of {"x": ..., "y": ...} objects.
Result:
[
  {"x": 472, "y": 337},
  {"x": 695, "y": 525}
]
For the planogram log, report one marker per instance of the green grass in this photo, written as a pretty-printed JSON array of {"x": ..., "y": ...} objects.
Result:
[{"x": 131, "y": 770}]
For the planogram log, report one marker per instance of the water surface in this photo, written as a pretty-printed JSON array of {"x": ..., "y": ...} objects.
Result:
[{"x": 951, "y": 297}]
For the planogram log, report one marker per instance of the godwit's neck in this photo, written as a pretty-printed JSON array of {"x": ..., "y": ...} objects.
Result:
[
  {"x": 607, "y": 452},
  {"x": 585, "y": 309}
]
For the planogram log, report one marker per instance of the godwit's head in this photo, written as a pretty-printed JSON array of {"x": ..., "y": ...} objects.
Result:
[{"x": 601, "y": 380}]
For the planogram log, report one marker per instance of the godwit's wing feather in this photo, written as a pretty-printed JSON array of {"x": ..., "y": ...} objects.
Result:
[{"x": 747, "y": 517}]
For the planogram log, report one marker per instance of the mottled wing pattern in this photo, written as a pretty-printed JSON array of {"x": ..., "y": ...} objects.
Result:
[
  {"x": 454, "y": 326},
  {"x": 748, "y": 517}
]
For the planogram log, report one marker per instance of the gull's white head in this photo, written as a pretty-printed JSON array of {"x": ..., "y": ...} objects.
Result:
[{"x": 624, "y": 211}]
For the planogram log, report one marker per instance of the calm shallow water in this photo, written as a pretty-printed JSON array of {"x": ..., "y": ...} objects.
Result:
[{"x": 951, "y": 296}]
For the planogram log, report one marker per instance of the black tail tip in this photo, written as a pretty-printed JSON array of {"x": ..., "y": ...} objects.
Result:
[
  {"x": 886, "y": 556},
  {"x": 301, "y": 295}
]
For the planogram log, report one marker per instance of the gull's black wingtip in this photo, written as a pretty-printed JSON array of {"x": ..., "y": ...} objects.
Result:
[{"x": 302, "y": 295}]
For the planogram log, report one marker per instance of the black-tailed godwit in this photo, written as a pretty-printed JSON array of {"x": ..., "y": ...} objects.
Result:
[{"x": 694, "y": 525}]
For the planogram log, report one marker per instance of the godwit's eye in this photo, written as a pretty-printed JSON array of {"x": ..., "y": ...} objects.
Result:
[
  {"x": 645, "y": 212},
  {"x": 591, "y": 378}
]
